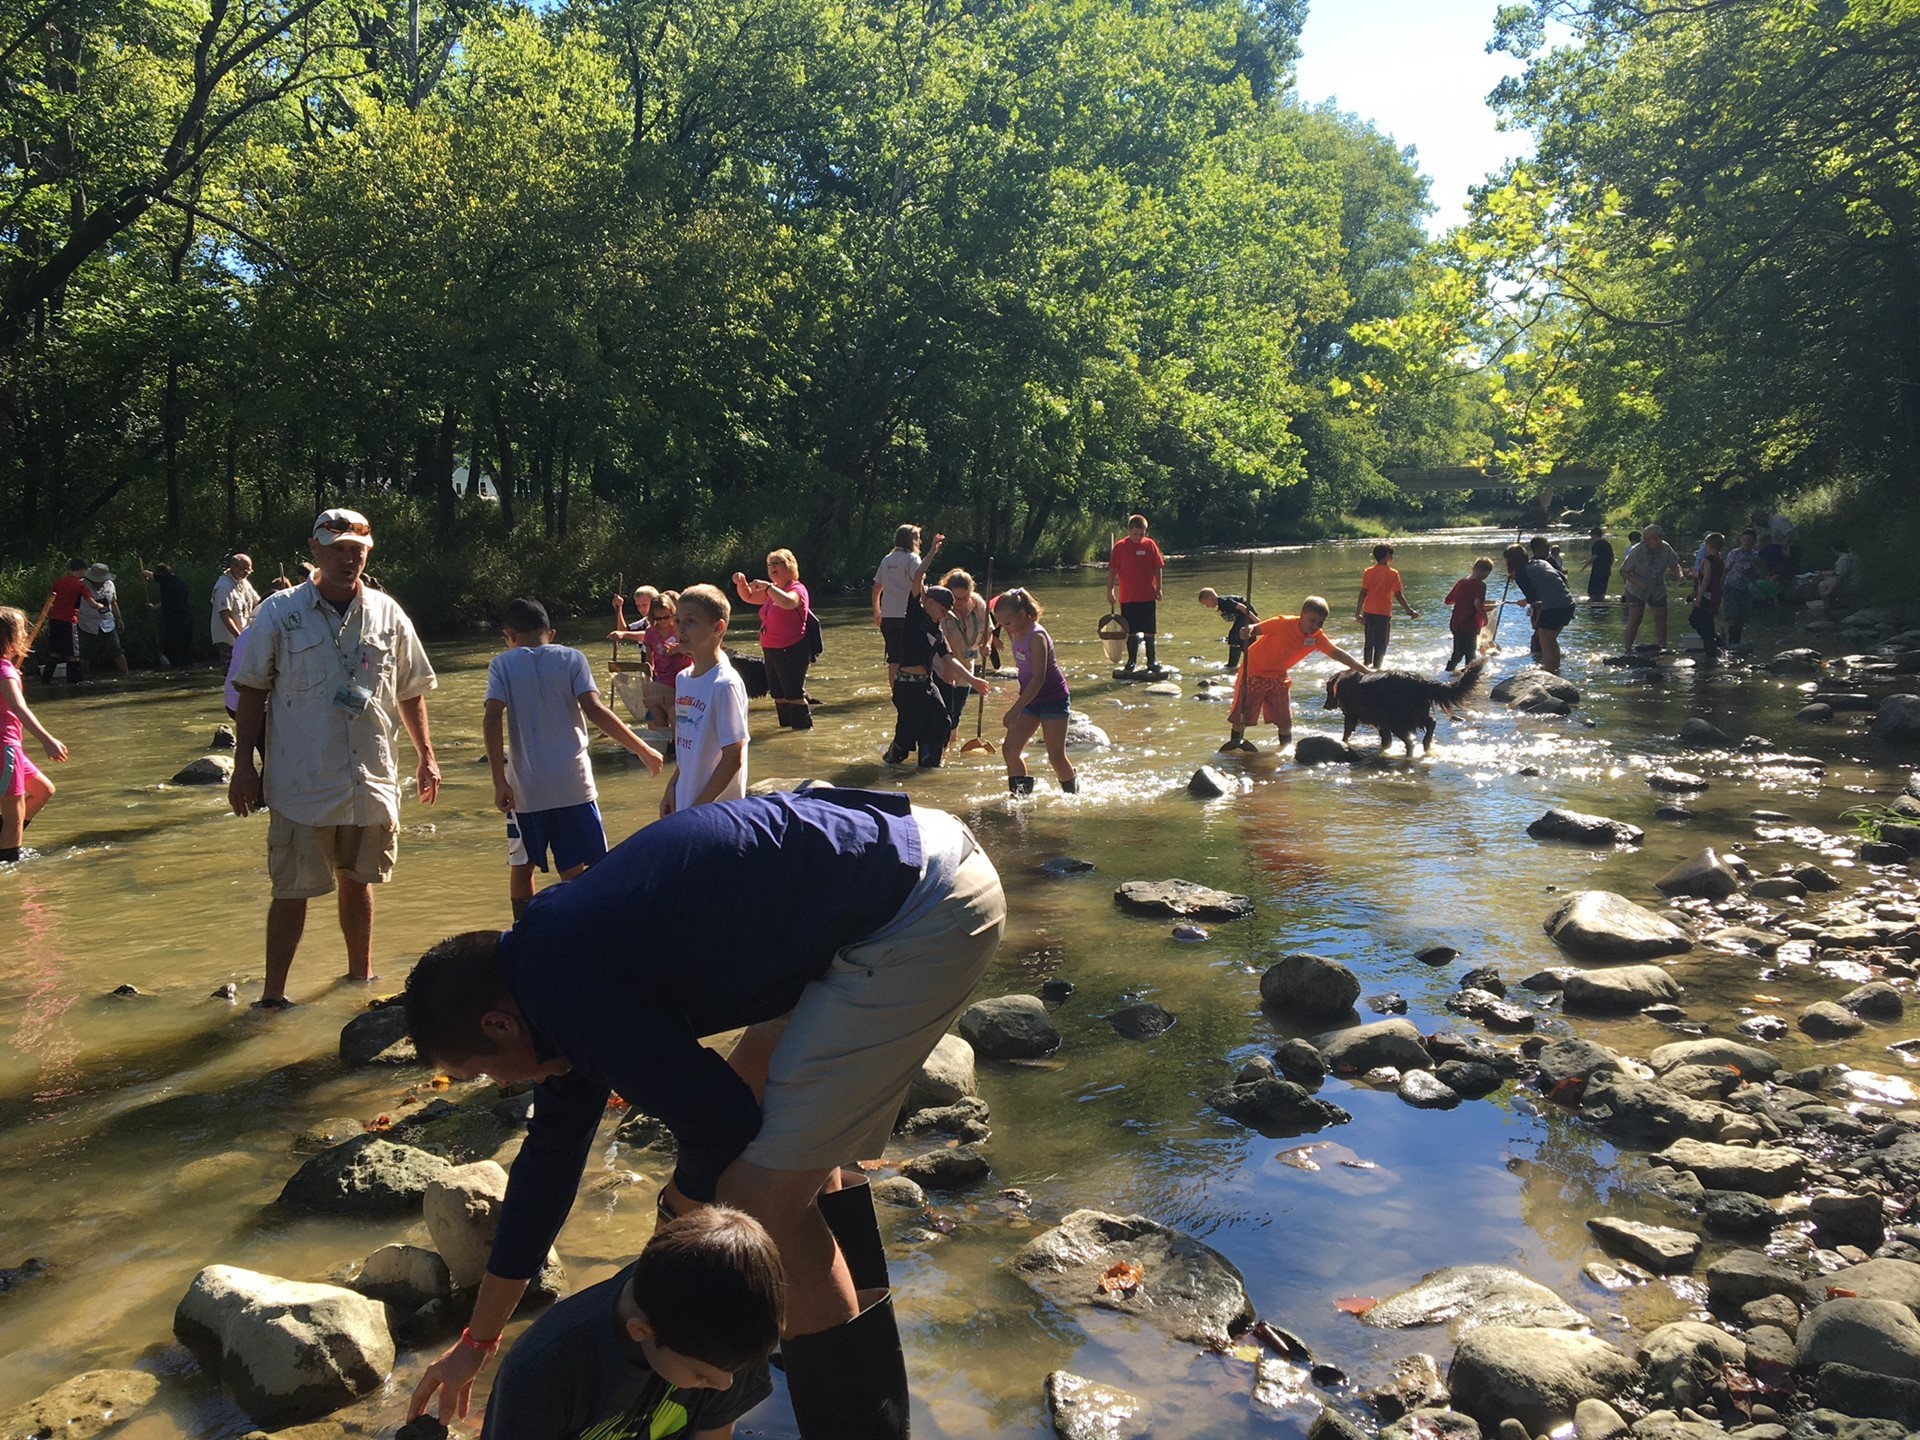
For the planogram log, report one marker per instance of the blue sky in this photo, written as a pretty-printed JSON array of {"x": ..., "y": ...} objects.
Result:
[{"x": 1419, "y": 70}]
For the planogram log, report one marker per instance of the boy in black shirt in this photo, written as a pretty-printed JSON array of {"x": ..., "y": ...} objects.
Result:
[
  {"x": 675, "y": 1344},
  {"x": 1238, "y": 614},
  {"x": 922, "y": 721}
]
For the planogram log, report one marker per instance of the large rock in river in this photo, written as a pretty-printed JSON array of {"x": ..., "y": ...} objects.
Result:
[
  {"x": 1276, "y": 1108},
  {"x": 1751, "y": 1061},
  {"x": 462, "y": 1210},
  {"x": 1309, "y": 987},
  {"x": 1897, "y": 722},
  {"x": 1367, "y": 1047},
  {"x": 1737, "y": 1167},
  {"x": 1620, "y": 990},
  {"x": 1464, "y": 1297},
  {"x": 1705, "y": 875},
  {"x": 1536, "y": 1376},
  {"x": 1182, "y": 899},
  {"x": 1599, "y": 925},
  {"x": 89, "y": 1405},
  {"x": 1579, "y": 828},
  {"x": 1010, "y": 1027},
  {"x": 947, "y": 1076},
  {"x": 367, "y": 1176},
  {"x": 1187, "y": 1289},
  {"x": 377, "y": 1037},
  {"x": 285, "y": 1351},
  {"x": 1083, "y": 1409},
  {"x": 1526, "y": 688},
  {"x": 1873, "y": 1335}
]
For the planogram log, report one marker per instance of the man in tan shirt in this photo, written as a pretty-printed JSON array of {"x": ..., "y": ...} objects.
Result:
[{"x": 332, "y": 670}]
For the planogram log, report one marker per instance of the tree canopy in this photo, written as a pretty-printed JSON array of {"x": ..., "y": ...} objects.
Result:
[{"x": 692, "y": 276}]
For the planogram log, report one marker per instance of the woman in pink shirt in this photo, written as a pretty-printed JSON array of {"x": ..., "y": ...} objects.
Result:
[{"x": 785, "y": 612}]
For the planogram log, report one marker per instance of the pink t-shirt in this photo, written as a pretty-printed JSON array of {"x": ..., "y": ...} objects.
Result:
[
  {"x": 10, "y": 728},
  {"x": 664, "y": 654},
  {"x": 780, "y": 627}
]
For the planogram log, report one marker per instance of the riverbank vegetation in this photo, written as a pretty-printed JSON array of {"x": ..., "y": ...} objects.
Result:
[{"x": 686, "y": 280}]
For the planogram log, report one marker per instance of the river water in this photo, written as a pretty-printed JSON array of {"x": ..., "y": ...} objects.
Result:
[{"x": 144, "y": 1137}]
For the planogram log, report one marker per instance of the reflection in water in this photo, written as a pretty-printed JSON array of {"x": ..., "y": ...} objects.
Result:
[{"x": 143, "y": 1138}]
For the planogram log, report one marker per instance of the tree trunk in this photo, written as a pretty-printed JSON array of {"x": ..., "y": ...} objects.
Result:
[
  {"x": 566, "y": 478},
  {"x": 445, "y": 501},
  {"x": 233, "y": 476},
  {"x": 507, "y": 482}
]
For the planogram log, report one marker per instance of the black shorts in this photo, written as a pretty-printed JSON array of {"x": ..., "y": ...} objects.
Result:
[
  {"x": 1142, "y": 616},
  {"x": 1554, "y": 620},
  {"x": 893, "y": 629}
]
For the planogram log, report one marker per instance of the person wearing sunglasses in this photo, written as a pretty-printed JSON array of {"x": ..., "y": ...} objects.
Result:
[{"x": 337, "y": 666}]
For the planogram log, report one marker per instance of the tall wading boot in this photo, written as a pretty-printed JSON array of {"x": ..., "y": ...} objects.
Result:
[{"x": 850, "y": 1382}]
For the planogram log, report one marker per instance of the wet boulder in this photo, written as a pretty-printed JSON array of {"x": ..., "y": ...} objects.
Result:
[
  {"x": 207, "y": 770},
  {"x": 1736, "y": 1167},
  {"x": 1309, "y": 987},
  {"x": 1142, "y": 1020},
  {"x": 1463, "y": 1297},
  {"x": 1083, "y": 1409},
  {"x": 1640, "y": 1110},
  {"x": 1741, "y": 1277},
  {"x": 1897, "y": 721},
  {"x": 1859, "y": 1220},
  {"x": 1062, "y": 866},
  {"x": 1297, "y": 1059},
  {"x": 1660, "y": 1248},
  {"x": 1619, "y": 990},
  {"x": 1881, "y": 1279},
  {"x": 404, "y": 1276},
  {"x": 1187, "y": 1289},
  {"x": 462, "y": 1209},
  {"x": 965, "y": 1120},
  {"x": 1877, "y": 1336},
  {"x": 1526, "y": 689},
  {"x": 1750, "y": 1060},
  {"x": 1578, "y": 828},
  {"x": 1814, "y": 714},
  {"x": 1686, "y": 1361},
  {"x": 1469, "y": 1079},
  {"x": 1315, "y": 749},
  {"x": 1181, "y": 899},
  {"x": 284, "y": 1351},
  {"x": 1574, "y": 1059},
  {"x": 1699, "y": 734},
  {"x": 1677, "y": 782},
  {"x": 1707, "y": 876},
  {"x": 1208, "y": 783},
  {"x": 1490, "y": 1010},
  {"x": 949, "y": 1169},
  {"x": 367, "y": 1176},
  {"x": 85, "y": 1407},
  {"x": 946, "y": 1076},
  {"x": 1888, "y": 1399},
  {"x": 1424, "y": 1090},
  {"x": 1824, "y": 1020},
  {"x": 1534, "y": 1375},
  {"x": 1795, "y": 662},
  {"x": 1009, "y": 1027},
  {"x": 1368, "y": 1047},
  {"x": 377, "y": 1036},
  {"x": 1276, "y": 1108},
  {"x": 1600, "y": 925}
]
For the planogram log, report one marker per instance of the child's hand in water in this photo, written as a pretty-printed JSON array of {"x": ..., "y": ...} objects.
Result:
[{"x": 55, "y": 750}]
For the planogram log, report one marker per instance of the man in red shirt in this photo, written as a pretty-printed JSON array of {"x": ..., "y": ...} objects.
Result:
[
  {"x": 1133, "y": 583},
  {"x": 67, "y": 595}
]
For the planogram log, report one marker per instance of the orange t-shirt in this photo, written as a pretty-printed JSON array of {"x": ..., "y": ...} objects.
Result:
[
  {"x": 1135, "y": 566},
  {"x": 1378, "y": 585},
  {"x": 1278, "y": 646}
]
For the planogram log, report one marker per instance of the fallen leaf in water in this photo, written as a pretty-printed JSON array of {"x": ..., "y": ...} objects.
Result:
[
  {"x": 1123, "y": 1277},
  {"x": 1769, "y": 1000},
  {"x": 1300, "y": 1157},
  {"x": 1840, "y": 1292},
  {"x": 1568, "y": 1091},
  {"x": 1355, "y": 1304},
  {"x": 1246, "y": 1353},
  {"x": 380, "y": 1122},
  {"x": 869, "y": 1166},
  {"x": 614, "y": 1102}
]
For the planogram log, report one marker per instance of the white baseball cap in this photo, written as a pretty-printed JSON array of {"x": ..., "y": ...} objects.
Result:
[{"x": 334, "y": 526}]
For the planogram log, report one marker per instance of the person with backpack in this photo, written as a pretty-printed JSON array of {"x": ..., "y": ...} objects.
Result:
[{"x": 789, "y": 635}]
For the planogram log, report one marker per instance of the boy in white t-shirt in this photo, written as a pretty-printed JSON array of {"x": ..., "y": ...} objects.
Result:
[
  {"x": 709, "y": 710},
  {"x": 547, "y": 694}
]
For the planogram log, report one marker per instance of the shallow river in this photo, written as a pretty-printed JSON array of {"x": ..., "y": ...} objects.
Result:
[{"x": 141, "y": 1138}]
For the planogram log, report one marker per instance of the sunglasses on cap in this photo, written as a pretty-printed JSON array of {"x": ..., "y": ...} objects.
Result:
[{"x": 334, "y": 525}]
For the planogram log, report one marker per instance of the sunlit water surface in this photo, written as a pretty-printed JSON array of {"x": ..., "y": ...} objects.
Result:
[{"x": 141, "y": 1138}]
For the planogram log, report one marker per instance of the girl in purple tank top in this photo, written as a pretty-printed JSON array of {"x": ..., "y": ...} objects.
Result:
[{"x": 1042, "y": 703}]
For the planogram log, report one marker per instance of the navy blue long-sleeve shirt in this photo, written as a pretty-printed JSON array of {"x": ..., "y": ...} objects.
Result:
[{"x": 711, "y": 919}]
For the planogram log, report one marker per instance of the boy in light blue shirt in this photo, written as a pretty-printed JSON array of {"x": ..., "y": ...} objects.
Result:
[{"x": 545, "y": 694}]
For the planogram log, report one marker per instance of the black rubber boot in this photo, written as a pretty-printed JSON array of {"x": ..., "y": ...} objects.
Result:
[
  {"x": 850, "y": 1382},
  {"x": 1070, "y": 787},
  {"x": 850, "y": 1216}
]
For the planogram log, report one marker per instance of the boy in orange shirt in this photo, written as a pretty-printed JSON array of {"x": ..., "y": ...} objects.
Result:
[
  {"x": 1379, "y": 588},
  {"x": 1275, "y": 647},
  {"x": 1133, "y": 584}
]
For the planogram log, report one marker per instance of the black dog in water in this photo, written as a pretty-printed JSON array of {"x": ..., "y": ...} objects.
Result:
[{"x": 1398, "y": 702}]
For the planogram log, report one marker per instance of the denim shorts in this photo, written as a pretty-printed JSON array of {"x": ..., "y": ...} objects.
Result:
[{"x": 1048, "y": 710}]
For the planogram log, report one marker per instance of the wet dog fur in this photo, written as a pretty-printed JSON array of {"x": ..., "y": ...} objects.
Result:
[{"x": 1398, "y": 702}]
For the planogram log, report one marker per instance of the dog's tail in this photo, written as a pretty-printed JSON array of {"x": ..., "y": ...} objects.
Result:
[{"x": 1450, "y": 697}]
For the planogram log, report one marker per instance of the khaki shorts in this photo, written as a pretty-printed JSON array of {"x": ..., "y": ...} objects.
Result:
[
  {"x": 302, "y": 859},
  {"x": 859, "y": 1034}
]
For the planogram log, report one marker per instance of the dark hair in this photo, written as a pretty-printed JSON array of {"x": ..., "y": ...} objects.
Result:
[
  {"x": 526, "y": 616},
  {"x": 76, "y": 564},
  {"x": 1633, "y": 537},
  {"x": 1839, "y": 547},
  {"x": 1516, "y": 556},
  {"x": 712, "y": 1288},
  {"x": 1383, "y": 553},
  {"x": 904, "y": 536},
  {"x": 1539, "y": 543},
  {"x": 451, "y": 987}
]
